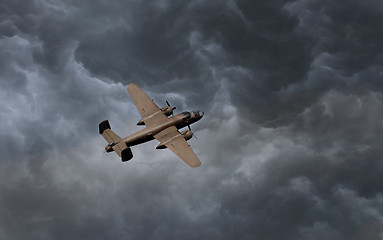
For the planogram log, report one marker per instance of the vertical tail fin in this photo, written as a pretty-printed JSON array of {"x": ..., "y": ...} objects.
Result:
[{"x": 107, "y": 133}]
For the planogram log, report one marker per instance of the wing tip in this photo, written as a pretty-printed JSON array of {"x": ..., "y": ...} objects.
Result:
[
  {"x": 131, "y": 85},
  {"x": 195, "y": 164}
]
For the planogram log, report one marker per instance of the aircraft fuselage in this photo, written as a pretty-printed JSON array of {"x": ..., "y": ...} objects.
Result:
[{"x": 179, "y": 121}]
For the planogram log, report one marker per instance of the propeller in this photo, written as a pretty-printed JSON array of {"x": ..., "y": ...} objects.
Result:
[
  {"x": 173, "y": 108},
  {"x": 192, "y": 132}
]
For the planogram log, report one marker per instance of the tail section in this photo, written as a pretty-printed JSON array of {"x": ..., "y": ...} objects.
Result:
[{"x": 114, "y": 142}]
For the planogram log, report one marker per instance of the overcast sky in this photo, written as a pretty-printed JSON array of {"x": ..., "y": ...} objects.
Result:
[{"x": 290, "y": 144}]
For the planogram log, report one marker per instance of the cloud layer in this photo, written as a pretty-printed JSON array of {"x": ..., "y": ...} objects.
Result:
[{"x": 290, "y": 144}]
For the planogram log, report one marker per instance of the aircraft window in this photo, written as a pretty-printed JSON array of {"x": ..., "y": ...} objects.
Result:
[{"x": 186, "y": 114}]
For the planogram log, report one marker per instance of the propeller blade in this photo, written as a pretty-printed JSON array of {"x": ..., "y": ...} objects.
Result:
[
  {"x": 170, "y": 106},
  {"x": 173, "y": 108},
  {"x": 192, "y": 132}
]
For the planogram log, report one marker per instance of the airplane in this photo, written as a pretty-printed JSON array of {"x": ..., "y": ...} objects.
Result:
[{"x": 158, "y": 126}]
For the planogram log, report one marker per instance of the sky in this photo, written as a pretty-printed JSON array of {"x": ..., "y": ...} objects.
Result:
[{"x": 290, "y": 143}]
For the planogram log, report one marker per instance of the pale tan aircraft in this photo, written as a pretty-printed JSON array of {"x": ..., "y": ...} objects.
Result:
[{"x": 158, "y": 126}]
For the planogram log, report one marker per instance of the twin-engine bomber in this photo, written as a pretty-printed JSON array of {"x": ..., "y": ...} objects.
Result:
[{"x": 158, "y": 126}]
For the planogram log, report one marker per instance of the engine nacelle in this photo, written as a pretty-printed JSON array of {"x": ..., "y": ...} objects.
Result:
[
  {"x": 167, "y": 110},
  {"x": 187, "y": 134}
]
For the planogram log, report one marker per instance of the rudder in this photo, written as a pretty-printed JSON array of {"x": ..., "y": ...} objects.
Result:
[
  {"x": 106, "y": 131},
  {"x": 103, "y": 126},
  {"x": 123, "y": 151},
  {"x": 126, "y": 154}
]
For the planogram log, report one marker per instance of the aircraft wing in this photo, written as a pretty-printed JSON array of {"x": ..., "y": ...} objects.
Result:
[
  {"x": 151, "y": 114},
  {"x": 172, "y": 139}
]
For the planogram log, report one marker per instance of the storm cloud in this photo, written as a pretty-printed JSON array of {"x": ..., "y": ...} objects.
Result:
[{"x": 290, "y": 143}]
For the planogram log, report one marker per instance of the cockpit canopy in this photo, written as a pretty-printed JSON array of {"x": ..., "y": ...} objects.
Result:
[
  {"x": 198, "y": 113},
  {"x": 187, "y": 115}
]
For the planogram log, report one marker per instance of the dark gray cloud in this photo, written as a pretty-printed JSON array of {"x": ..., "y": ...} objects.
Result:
[{"x": 290, "y": 144}]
